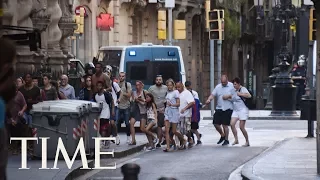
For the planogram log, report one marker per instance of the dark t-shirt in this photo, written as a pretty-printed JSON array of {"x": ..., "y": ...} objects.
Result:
[
  {"x": 32, "y": 96},
  {"x": 299, "y": 71},
  {"x": 50, "y": 94},
  {"x": 16, "y": 105}
]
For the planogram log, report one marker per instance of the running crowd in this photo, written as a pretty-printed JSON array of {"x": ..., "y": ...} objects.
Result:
[{"x": 164, "y": 111}]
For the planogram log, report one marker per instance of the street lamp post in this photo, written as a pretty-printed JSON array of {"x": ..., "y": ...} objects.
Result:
[{"x": 283, "y": 90}]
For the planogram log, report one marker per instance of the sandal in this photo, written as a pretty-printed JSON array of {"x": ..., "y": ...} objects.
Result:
[{"x": 133, "y": 143}]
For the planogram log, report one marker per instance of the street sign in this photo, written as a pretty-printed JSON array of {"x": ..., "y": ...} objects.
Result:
[
  {"x": 77, "y": 11},
  {"x": 170, "y": 3}
]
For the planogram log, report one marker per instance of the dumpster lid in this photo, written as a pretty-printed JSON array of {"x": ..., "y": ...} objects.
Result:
[
  {"x": 84, "y": 107},
  {"x": 57, "y": 108},
  {"x": 85, "y": 104}
]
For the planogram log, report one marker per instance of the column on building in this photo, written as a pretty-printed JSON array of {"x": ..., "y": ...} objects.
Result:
[
  {"x": 56, "y": 60},
  {"x": 40, "y": 19},
  {"x": 67, "y": 26},
  {"x": 19, "y": 15}
]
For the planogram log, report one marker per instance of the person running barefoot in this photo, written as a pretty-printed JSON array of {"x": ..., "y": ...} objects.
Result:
[{"x": 240, "y": 111}]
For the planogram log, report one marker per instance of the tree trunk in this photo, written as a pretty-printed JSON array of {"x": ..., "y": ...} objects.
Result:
[{"x": 317, "y": 6}]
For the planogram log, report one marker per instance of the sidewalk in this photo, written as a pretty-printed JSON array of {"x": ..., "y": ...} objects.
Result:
[
  {"x": 34, "y": 173},
  {"x": 291, "y": 159},
  {"x": 255, "y": 115}
]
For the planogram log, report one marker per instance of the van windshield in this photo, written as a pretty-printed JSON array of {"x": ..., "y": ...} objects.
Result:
[
  {"x": 112, "y": 58},
  {"x": 147, "y": 71}
]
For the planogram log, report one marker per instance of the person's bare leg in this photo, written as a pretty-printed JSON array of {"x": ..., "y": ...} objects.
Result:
[
  {"x": 132, "y": 130},
  {"x": 178, "y": 134},
  {"x": 219, "y": 129},
  {"x": 234, "y": 130},
  {"x": 226, "y": 131},
  {"x": 167, "y": 126},
  {"x": 195, "y": 131},
  {"x": 244, "y": 132}
]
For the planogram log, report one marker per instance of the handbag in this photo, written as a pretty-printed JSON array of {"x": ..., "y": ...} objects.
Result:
[{"x": 134, "y": 108}]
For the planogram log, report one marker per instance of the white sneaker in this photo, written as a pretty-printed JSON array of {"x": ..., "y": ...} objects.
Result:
[
  {"x": 156, "y": 141},
  {"x": 128, "y": 140},
  {"x": 117, "y": 140}
]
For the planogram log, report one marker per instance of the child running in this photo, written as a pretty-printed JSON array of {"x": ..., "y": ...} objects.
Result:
[
  {"x": 108, "y": 108},
  {"x": 151, "y": 120}
]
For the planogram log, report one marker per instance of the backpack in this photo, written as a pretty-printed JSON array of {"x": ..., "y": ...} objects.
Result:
[
  {"x": 195, "y": 110},
  {"x": 248, "y": 101}
]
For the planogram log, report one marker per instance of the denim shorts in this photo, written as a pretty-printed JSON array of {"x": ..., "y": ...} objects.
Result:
[
  {"x": 115, "y": 117},
  {"x": 28, "y": 119}
]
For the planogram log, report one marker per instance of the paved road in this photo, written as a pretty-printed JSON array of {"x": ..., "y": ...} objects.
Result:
[{"x": 208, "y": 161}]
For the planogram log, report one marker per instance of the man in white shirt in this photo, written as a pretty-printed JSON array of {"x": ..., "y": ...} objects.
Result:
[
  {"x": 106, "y": 98},
  {"x": 186, "y": 102}
]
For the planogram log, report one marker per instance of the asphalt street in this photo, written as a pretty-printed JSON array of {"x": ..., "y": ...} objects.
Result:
[{"x": 209, "y": 160}]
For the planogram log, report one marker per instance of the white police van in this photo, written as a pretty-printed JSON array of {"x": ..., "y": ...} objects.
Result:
[{"x": 144, "y": 62}]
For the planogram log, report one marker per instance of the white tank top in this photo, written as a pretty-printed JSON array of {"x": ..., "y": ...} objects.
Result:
[{"x": 150, "y": 113}]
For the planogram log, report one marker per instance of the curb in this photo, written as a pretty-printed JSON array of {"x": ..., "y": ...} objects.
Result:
[
  {"x": 79, "y": 172},
  {"x": 247, "y": 169},
  {"x": 284, "y": 118}
]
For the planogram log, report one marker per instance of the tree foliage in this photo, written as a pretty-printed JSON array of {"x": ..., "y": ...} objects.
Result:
[
  {"x": 232, "y": 26},
  {"x": 231, "y": 19}
]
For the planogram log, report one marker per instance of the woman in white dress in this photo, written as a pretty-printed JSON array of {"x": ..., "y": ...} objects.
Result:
[{"x": 240, "y": 110}]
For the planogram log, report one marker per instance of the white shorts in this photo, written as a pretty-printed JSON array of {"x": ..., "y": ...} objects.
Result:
[{"x": 242, "y": 114}]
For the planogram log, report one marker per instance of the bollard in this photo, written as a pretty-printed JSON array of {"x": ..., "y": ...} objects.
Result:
[
  {"x": 130, "y": 171},
  {"x": 165, "y": 178},
  {"x": 310, "y": 129}
]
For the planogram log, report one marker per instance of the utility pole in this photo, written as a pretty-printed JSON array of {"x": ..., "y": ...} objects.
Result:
[
  {"x": 219, "y": 49},
  {"x": 93, "y": 28},
  {"x": 215, "y": 24},
  {"x": 170, "y": 25},
  {"x": 212, "y": 72},
  {"x": 317, "y": 12},
  {"x": 170, "y": 4},
  {"x": 318, "y": 86}
]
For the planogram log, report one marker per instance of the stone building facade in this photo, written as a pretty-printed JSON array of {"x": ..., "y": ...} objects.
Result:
[
  {"x": 135, "y": 22},
  {"x": 54, "y": 19}
]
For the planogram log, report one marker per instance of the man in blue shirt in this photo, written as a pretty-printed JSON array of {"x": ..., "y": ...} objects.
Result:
[{"x": 224, "y": 108}]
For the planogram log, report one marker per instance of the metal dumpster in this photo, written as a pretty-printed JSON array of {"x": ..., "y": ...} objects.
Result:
[
  {"x": 93, "y": 122},
  {"x": 57, "y": 120},
  {"x": 90, "y": 124}
]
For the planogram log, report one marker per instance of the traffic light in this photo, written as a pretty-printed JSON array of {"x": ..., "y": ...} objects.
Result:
[
  {"x": 162, "y": 25},
  {"x": 207, "y": 13},
  {"x": 79, "y": 19},
  {"x": 179, "y": 29},
  {"x": 216, "y": 24},
  {"x": 312, "y": 25}
]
